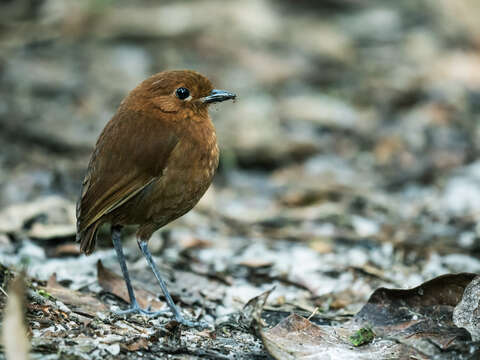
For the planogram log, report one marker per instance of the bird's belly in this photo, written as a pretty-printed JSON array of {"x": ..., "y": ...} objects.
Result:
[{"x": 174, "y": 193}]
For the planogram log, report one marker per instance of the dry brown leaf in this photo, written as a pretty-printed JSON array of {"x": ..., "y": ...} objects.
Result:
[
  {"x": 41, "y": 231},
  {"x": 249, "y": 318},
  {"x": 60, "y": 210},
  {"x": 138, "y": 344},
  {"x": 79, "y": 302},
  {"x": 14, "y": 335},
  {"x": 252, "y": 310},
  {"x": 421, "y": 317},
  {"x": 296, "y": 338},
  {"x": 256, "y": 263},
  {"x": 115, "y": 284},
  {"x": 415, "y": 322},
  {"x": 68, "y": 249},
  {"x": 337, "y": 300},
  {"x": 194, "y": 243}
]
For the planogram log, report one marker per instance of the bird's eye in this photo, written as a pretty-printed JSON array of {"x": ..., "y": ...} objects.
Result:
[{"x": 182, "y": 93}]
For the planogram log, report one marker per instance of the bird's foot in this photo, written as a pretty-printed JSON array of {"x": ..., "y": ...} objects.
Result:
[
  {"x": 136, "y": 309},
  {"x": 192, "y": 324}
]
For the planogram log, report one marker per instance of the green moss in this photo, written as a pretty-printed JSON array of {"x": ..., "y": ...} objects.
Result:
[
  {"x": 361, "y": 337},
  {"x": 45, "y": 294}
]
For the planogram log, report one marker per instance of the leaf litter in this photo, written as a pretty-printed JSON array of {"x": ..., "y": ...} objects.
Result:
[
  {"x": 396, "y": 324},
  {"x": 416, "y": 322}
]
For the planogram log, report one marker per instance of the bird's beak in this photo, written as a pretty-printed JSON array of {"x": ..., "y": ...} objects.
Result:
[{"x": 218, "y": 96}]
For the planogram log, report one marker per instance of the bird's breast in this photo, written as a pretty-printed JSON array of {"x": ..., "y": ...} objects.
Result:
[{"x": 186, "y": 177}]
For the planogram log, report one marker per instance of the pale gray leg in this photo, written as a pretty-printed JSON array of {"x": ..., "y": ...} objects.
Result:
[
  {"x": 178, "y": 317},
  {"x": 134, "y": 307}
]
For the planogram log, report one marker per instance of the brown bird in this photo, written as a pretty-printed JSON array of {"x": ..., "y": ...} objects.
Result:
[{"x": 152, "y": 163}]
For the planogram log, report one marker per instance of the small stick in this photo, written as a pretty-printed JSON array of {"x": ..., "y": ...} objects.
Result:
[{"x": 313, "y": 313}]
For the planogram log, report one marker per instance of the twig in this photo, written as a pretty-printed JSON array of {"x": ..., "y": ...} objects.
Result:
[
  {"x": 3, "y": 291},
  {"x": 313, "y": 313}
]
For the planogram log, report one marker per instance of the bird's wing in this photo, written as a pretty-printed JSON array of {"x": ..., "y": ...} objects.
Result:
[{"x": 131, "y": 153}]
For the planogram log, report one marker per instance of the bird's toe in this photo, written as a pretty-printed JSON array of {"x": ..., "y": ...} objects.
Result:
[
  {"x": 192, "y": 324},
  {"x": 138, "y": 310}
]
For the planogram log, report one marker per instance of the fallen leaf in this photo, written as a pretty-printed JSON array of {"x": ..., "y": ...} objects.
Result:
[
  {"x": 296, "y": 338},
  {"x": 249, "y": 318},
  {"x": 252, "y": 311},
  {"x": 338, "y": 300},
  {"x": 115, "y": 284},
  {"x": 415, "y": 323},
  {"x": 59, "y": 211},
  {"x": 256, "y": 263},
  {"x": 79, "y": 302},
  {"x": 138, "y": 344},
  {"x": 421, "y": 317},
  {"x": 190, "y": 243},
  {"x": 293, "y": 338},
  {"x": 68, "y": 249},
  {"x": 14, "y": 334},
  {"x": 41, "y": 231}
]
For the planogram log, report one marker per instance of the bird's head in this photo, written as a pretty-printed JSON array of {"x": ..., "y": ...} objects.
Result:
[{"x": 182, "y": 90}]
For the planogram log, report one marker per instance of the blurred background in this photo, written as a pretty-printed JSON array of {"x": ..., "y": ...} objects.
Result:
[
  {"x": 357, "y": 122},
  {"x": 391, "y": 88}
]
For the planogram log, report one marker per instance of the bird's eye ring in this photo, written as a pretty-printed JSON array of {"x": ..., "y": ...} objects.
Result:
[{"x": 182, "y": 93}]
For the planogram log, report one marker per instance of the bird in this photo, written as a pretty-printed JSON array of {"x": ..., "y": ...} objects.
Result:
[{"x": 151, "y": 164}]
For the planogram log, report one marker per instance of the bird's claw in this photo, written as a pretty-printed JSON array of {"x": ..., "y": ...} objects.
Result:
[
  {"x": 201, "y": 325},
  {"x": 135, "y": 309}
]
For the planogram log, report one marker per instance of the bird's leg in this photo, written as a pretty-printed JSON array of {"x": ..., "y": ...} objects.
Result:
[
  {"x": 134, "y": 307},
  {"x": 176, "y": 313}
]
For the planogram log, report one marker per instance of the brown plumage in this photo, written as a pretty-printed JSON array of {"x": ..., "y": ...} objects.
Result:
[{"x": 154, "y": 159}]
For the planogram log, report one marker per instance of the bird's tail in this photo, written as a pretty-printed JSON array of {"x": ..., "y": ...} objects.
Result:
[{"x": 88, "y": 238}]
